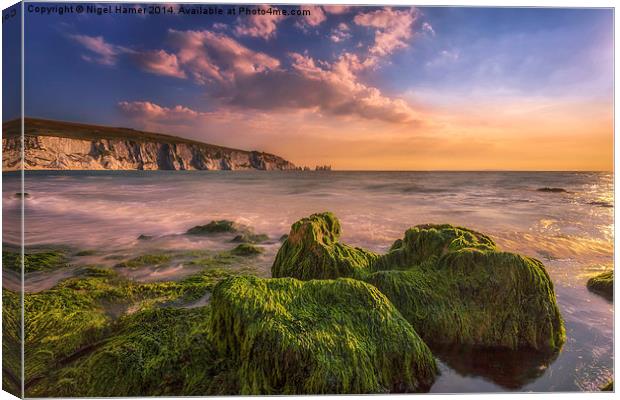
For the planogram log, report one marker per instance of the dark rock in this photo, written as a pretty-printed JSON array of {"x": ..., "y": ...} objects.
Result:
[{"x": 552, "y": 190}]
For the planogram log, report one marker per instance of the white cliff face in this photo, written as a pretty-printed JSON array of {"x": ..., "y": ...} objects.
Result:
[{"x": 59, "y": 153}]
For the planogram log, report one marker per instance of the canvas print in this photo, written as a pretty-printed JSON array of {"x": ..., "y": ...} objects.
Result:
[{"x": 229, "y": 199}]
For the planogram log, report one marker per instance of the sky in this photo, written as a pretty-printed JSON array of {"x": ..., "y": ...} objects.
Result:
[{"x": 358, "y": 88}]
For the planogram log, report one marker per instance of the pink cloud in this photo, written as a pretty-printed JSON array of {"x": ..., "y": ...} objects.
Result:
[
  {"x": 316, "y": 17},
  {"x": 147, "y": 111},
  {"x": 208, "y": 56},
  {"x": 104, "y": 52},
  {"x": 262, "y": 26},
  {"x": 160, "y": 63},
  {"x": 392, "y": 28},
  {"x": 321, "y": 87},
  {"x": 428, "y": 28},
  {"x": 336, "y": 9},
  {"x": 340, "y": 33}
]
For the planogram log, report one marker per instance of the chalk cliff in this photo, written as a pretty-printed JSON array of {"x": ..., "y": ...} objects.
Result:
[{"x": 54, "y": 145}]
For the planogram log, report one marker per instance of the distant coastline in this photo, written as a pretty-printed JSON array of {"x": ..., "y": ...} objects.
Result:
[{"x": 59, "y": 145}]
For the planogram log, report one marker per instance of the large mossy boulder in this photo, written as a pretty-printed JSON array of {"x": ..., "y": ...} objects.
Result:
[
  {"x": 323, "y": 336},
  {"x": 312, "y": 251},
  {"x": 478, "y": 298},
  {"x": 451, "y": 283},
  {"x": 425, "y": 243},
  {"x": 603, "y": 284}
]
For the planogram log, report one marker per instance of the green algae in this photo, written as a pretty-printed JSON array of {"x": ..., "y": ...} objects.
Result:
[
  {"x": 246, "y": 250},
  {"x": 425, "y": 242},
  {"x": 287, "y": 336},
  {"x": 145, "y": 260},
  {"x": 153, "y": 352},
  {"x": 35, "y": 261},
  {"x": 478, "y": 298},
  {"x": 84, "y": 253},
  {"x": 11, "y": 342},
  {"x": 220, "y": 226},
  {"x": 312, "y": 251},
  {"x": 451, "y": 283},
  {"x": 79, "y": 313},
  {"x": 602, "y": 284}
]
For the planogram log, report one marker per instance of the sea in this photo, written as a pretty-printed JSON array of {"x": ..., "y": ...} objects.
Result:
[{"x": 565, "y": 219}]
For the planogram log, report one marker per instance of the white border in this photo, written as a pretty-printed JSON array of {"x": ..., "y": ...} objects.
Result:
[{"x": 466, "y": 3}]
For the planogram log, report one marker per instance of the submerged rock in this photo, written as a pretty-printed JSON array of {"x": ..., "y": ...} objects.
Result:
[
  {"x": 451, "y": 283},
  {"x": 323, "y": 336},
  {"x": 85, "y": 253},
  {"x": 312, "y": 251},
  {"x": 245, "y": 250},
  {"x": 603, "y": 284},
  {"x": 145, "y": 260},
  {"x": 221, "y": 226},
  {"x": 552, "y": 190},
  {"x": 248, "y": 237},
  {"x": 145, "y": 237}
]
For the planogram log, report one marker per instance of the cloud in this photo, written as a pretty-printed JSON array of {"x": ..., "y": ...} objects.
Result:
[
  {"x": 336, "y": 9},
  {"x": 316, "y": 17},
  {"x": 214, "y": 57},
  {"x": 428, "y": 28},
  {"x": 327, "y": 89},
  {"x": 392, "y": 28},
  {"x": 102, "y": 52},
  {"x": 340, "y": 33},
  {"x": 445, "y": 57},
  {"x": 147, "y": 111},
  {"x": 160, "y": 63},
  {"x": 262, "y": 26}
]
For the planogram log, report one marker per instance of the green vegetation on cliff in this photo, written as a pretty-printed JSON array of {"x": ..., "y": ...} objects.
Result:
[{"x": 333, "y": 336}]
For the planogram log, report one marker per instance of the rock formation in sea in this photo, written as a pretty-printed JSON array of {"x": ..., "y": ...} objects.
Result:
[
  {"x": 452, "y": 284},
  {"x": 55, "y": 145}
]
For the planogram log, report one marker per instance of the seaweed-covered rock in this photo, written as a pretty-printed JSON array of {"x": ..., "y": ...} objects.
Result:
[
  {"x": 220, "y": 226},
  {"x": 603, "y": 284},
  {"x": 34, "y": 261},
  {"x": 145, "y": 260},
  {"x": 477, "y": 297},
  {"x": 73, "y": 324},
  {"x": 312, "y": 251},
  {"x": 246, "y": 250},
  {"x": 429, "y": 242},
  {"x": 248, "y": 237},
  {"x": 451, "y": 283},
  {"x": 156, "y": 351},
  {"x": 11, "y": 342},
  {"x": 323, "y": 336}
]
